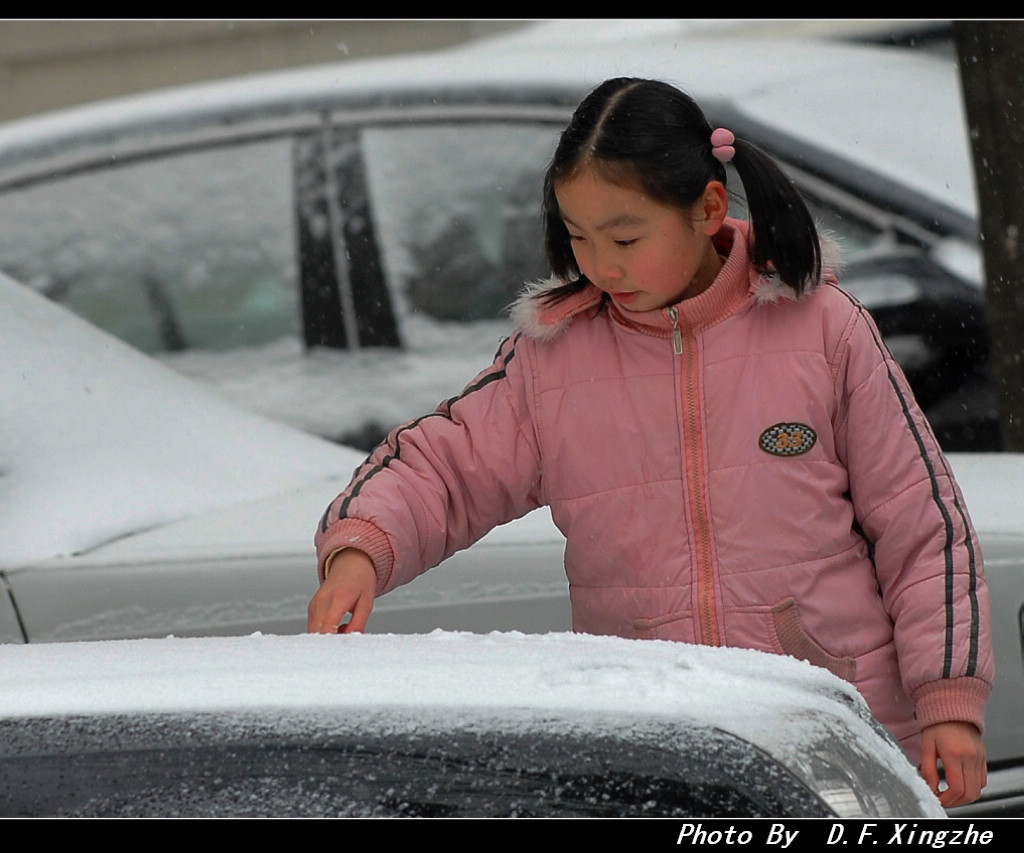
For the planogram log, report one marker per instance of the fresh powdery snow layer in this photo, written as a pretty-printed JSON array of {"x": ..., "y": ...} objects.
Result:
[
  {"x": 449, "y": 669},
  {"x": 776, "y": 702}
]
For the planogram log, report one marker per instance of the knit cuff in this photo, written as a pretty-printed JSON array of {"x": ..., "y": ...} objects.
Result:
[
  {"x": 952, "y": 700},
  {"x": 363, "y": 536}
]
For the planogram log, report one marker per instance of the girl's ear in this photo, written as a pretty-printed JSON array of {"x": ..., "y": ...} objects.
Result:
[{"x": 713, "y": 207}]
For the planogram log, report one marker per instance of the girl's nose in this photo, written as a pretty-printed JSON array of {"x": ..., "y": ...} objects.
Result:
[{"x": 608, "y": 268}]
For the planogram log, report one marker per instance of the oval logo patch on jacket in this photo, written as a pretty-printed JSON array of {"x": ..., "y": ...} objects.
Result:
[{"x": 787, "y": 439}]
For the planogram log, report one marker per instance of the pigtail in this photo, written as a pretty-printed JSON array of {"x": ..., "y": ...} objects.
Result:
[{"x": 785, "y": 237}]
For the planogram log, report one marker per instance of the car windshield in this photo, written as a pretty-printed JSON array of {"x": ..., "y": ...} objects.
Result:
[{"x": 387, "y": 763}]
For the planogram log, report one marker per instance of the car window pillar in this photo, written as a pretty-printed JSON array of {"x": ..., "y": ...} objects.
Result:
[
  {"x": 341, "y": 274},
  {"x": 335, "y": 221}
]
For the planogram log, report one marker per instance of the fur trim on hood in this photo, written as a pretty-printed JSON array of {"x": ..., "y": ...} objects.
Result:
[
  {"x": 770, "y": 287},
  {"x": 544, "y": 321}
]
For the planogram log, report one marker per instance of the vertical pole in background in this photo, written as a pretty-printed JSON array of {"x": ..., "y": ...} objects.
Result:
[{"x": 991, "y": 59}]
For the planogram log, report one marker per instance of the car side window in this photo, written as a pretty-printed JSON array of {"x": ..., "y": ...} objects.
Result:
[
  {"x": 190, "y": 251},
  {"x": 457, "y": 213}
]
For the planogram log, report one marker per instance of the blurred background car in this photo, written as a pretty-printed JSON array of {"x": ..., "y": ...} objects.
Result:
[
  {"x": 334, "y": 246},
  {"x": 439, "y": 725}
]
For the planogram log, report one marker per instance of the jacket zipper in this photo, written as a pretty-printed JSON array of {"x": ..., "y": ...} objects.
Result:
[{"x": 693, "y": 443}]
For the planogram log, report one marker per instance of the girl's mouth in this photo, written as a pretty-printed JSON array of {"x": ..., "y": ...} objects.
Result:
[{"x": 625, "y": 297}]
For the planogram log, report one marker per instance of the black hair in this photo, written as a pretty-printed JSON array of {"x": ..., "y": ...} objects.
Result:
[{"x": 649, "y": 135}]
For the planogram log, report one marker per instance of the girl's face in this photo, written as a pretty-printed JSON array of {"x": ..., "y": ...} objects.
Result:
[{"x": 643, "y": 253}]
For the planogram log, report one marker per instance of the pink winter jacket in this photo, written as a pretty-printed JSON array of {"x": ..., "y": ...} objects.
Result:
[{"x": 743, "y": 468}]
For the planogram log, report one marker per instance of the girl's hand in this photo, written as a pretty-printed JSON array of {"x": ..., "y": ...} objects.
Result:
[
  {"x": 349, "y": 588},
  {"x": 962, "y": 752}
]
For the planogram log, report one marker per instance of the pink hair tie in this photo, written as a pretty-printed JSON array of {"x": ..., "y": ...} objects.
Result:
[{"x": 721, "y": 144}]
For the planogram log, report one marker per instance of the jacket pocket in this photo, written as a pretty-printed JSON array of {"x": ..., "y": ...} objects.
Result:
[{"x": 794, "y": 640}]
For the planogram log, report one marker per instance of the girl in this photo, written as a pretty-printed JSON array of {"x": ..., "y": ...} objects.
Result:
[{"x": 727, "y": 445}]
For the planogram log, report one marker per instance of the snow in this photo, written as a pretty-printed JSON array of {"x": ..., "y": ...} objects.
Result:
[
  {"x": 447, "y": 674},
  {"x": 369, "y": 670},
  {"x": 283, "y": 523},
  {"x": 97, "y": 441},
  {"x": 917, "y": 135},
  {"x": 334, "y": 392}
]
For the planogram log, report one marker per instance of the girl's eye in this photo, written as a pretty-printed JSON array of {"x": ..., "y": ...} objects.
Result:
[{"x": 625, "y": 243}]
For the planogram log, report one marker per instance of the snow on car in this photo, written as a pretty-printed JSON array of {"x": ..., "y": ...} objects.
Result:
[{"x": 439, "y": 725}]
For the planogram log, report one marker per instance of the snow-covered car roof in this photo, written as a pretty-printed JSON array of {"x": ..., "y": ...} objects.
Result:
[
  {"x": 98, "y": 441},
  {"x": 802, "y": 716},
  {"x": 896, "y": 112}
]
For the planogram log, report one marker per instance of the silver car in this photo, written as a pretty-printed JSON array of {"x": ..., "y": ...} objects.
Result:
[
  {"x": 440, "y": 725},
  {"x": 364, "y": 224}
]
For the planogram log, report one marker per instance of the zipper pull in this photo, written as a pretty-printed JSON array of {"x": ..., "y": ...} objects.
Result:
[{"x": 677, "y": 335}]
